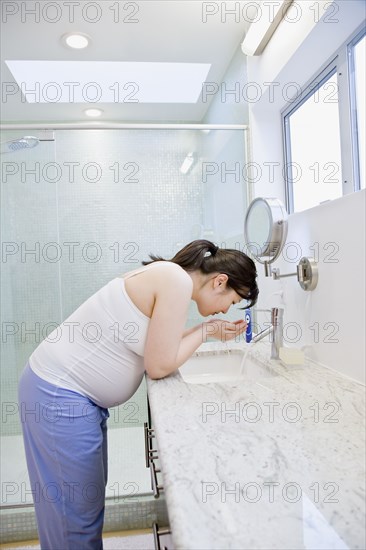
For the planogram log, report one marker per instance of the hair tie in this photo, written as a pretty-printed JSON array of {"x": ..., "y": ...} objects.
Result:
[{"x": 211, "y": 252}]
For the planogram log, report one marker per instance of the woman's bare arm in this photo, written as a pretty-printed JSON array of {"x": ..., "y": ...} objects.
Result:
[{"x": 168, "y": 345}]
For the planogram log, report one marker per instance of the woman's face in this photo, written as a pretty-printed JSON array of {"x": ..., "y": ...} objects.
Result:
[{"x": 216, "y": 297}]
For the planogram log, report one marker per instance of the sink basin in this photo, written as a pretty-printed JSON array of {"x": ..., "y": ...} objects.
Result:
[{"x": 222, "y": 367}]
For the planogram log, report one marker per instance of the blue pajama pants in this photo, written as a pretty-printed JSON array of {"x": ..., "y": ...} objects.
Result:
[{"x": 65, "y": 438}]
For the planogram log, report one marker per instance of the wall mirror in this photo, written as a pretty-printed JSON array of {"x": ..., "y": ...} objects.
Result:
[
  {"x": 265, "y": 229},
  {"x": 265, "y": 233}
]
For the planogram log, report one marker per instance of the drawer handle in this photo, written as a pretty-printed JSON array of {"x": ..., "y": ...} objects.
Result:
[
  {"x": 157, "y": 533},
  {"x": 148, "y": 435},
  {"x": 154, "y": 480}
]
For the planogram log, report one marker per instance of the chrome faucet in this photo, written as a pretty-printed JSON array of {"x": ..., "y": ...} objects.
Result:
[{"x": 276, "y": 330}]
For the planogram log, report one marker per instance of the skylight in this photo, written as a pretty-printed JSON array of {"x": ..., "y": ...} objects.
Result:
[{"x": 108, "y": 81}]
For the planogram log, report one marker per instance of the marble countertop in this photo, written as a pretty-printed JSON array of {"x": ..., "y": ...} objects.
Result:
[{"x": 272, "y": 464}]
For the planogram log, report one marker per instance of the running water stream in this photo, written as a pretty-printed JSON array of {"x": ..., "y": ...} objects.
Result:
[{"x": 249, "y": 348}]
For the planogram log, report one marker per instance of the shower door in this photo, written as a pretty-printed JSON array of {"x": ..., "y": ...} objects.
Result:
[{"x": 30, "y": 285}]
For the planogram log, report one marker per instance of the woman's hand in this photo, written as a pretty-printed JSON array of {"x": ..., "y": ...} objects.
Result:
[{"x": 223, "y": 330}]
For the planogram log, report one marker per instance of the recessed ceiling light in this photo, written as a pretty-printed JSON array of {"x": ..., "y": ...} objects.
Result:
[
  {"x": 76, "y": 40},
  {"x": 94, "y": 113}
]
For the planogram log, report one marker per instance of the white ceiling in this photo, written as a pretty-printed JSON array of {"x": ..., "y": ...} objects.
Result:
[{"x": 164, "y": 31}]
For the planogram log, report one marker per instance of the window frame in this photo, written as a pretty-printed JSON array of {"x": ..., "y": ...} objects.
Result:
[
  {"x": 353, "y": 106},
  {"x": 341, "y": 63}
]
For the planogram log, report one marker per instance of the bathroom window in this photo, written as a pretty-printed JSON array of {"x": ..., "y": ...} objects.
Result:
[
  {"x": 314, "y": 171},
  {"x": 324, "y": 132}
]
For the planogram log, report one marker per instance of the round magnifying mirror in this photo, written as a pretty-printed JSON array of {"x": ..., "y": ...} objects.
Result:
[{"x": 265, "y": 229}]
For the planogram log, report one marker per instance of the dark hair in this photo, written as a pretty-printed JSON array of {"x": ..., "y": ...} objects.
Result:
[{"x": 208, "y": 258}]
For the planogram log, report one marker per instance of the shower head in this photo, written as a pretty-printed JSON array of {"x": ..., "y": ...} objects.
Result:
[{"x": 26, "y": 142}]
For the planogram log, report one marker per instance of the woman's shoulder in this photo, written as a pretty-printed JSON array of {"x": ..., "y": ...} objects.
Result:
[
  {"x": 165, "y": 274},
  {"x": 170, "y": 281},
  {"x": 170, "y": 270},
  {"x": 162, "y": 271}
]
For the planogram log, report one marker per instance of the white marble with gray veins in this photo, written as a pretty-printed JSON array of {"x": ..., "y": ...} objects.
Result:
[{"x": 284, "y": 470}]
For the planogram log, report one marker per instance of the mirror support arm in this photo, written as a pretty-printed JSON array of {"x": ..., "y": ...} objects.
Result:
[
  {"x": 306, "y": 272},
  {"x": 275, "y": 272}
]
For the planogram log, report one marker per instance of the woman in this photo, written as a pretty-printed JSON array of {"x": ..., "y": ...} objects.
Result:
[{"x": 96, "y": 359}]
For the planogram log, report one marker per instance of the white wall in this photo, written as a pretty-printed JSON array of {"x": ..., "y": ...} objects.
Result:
[
  {"x": 329, "y": 322},
  {"x": 227, "y": 105},
  {"x": 335, "y": 309}
]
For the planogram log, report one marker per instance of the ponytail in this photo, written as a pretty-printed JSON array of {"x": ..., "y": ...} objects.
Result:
[{"x": 206, "y": 257}]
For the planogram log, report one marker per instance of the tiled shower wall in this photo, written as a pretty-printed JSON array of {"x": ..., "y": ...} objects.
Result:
[{"x": 80, "y": 210}]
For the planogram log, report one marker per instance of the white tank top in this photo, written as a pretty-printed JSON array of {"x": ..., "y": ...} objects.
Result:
[{"x": 98, "y": 350}]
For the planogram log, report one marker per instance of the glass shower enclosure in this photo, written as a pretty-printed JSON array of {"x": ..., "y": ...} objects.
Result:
[{"x": 78, "y": 208}]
